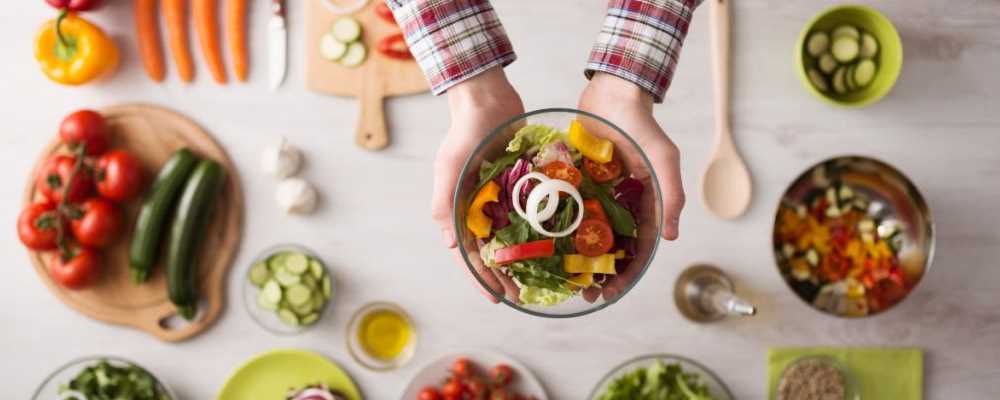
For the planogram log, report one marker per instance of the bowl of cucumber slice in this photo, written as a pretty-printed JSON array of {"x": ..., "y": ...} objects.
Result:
[
  {"x": 849, "y": 55},
  {"x": 286, "y": 289}
]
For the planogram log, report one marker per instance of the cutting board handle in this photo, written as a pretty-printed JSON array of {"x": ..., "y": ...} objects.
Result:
[{"x": 372, "y": 133}]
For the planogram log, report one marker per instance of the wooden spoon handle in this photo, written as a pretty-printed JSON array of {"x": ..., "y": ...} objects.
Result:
[
  {"x": 720, "y": 62},
  {"x": 372, "y": 133}
]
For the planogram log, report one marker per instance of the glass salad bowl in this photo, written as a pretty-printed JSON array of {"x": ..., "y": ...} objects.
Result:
[
  {"x": 699, "y": 374},
  {"x": 495, "y": 166},
  {"x": 50, "y": 387},
  {"x": 300, "y": 319}
]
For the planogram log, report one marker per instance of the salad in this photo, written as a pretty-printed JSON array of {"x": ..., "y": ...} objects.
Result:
[
  {"x": 655, "y": 382},
  {"x": 556, "y": 214},
  {"x": 105, "y": 381}
]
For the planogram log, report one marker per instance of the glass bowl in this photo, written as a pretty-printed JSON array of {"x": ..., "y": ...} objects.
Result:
[
  {"x": 357, "y": 350},
  {"x": 49, "y": 389},
  {"x": 852, "y": 390},
  {"x": 649, "y": 216},
  {"x": 716, "y": 387},
  {"x": 268, "y": 319}
]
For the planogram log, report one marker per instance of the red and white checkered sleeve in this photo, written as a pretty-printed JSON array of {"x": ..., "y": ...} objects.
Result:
[
  {"x": 452, "y": 40},
  {"x": 641, "y": 41}
]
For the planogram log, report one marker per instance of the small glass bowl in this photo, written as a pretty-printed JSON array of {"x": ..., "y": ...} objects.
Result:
[
  {"x": 268, "y": 319},
  {"x": 716, "y": 387},
  {"x": 852, "y": 390},
  {"x": 357, "y": 350},
  {"x": 49, "y": 389}
]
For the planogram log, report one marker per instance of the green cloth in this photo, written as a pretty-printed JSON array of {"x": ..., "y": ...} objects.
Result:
[{"x": 883, "y": 373}]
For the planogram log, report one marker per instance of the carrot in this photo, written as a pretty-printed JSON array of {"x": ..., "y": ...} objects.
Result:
[
  {"x": 204, "y": 14},
  {"x": 174, "y": 13},
  {"x": 149, "y": 38},
  {"x": 236, "y": 35}
]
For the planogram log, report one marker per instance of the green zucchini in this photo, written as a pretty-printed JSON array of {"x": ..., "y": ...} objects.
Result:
[
  {"x": 186, "y": 231},
  {"x": 157, "y": 206},
  {"x": 845, "y": 48}
]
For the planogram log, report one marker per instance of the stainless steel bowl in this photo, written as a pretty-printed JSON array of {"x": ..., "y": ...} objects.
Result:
[{"x": 892, "y": 198}]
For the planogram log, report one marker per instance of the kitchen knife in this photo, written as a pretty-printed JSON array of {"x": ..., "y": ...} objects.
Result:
[{"x": 277, "y": 43}]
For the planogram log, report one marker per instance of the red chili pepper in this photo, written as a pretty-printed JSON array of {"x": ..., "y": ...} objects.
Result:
[
  {"x": 524, "y": 251},
  {"x": 383, "y": 11},
  {"x": 394, "y": 46}
]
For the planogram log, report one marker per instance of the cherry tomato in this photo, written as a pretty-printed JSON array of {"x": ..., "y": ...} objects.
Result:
[
  {"x": 453, "y": 389},
  {"x": 75, "y": 5},
  {"x": 85, "y": 126},
  {"x": 477, "y": 388},
  {"x": 429, "y": 393},
  {"x": 119, "y": 176},
  {"x": 55, "y": 175},
  {"x": 76, "y": 270},
  {"x": 603, "y": 172},
  {"x": 593, "y": 238},
  {"x": 462, "y": 367},
  {"x": 99, "y": 223},
  {"x": 502, "y": 375},
  {"x": 500, "y": 394},
  {"x": 383, "y": 11},
  {"x": 592, "y": 209},
  {"x": 564, "y": 171},
  {"x": 37, "y": 226}
]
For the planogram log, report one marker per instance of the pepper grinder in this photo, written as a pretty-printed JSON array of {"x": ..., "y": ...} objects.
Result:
[{"x": 703, "y": 293}]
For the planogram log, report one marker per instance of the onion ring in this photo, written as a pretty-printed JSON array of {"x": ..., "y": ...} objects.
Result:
[
  {"x": 546, "y": 189},
  {"x": 550, "y": 206},
  {"x": 344, "y": 10}
]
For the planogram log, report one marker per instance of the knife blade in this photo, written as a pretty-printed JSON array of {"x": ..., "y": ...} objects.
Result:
[{"x": 277, "y": 43}]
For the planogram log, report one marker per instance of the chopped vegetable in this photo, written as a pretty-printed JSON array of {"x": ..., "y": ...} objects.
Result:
[
  {"x": 476, "y": 220},
  {"x": 531, "y": 138},
  {"x": 658, "y": 381},
  {"x": 592, "y": 147},
  {"x": 114, "y": 381},
  {"x": 578, "y": 264},
  {"x": 524, "y": 251},
  {"x": 621, "y": 219},
  {"x": 292, "y": 284}
]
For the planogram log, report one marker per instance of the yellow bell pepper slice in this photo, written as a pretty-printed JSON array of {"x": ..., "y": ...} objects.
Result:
[
  {"x": 580, "y": 281},
  {"x": 578, "y": 264},
  {"x": 595, "y": 148},
  {"x": 476, "y": 220},
  {"x": 72, "y": 51}
]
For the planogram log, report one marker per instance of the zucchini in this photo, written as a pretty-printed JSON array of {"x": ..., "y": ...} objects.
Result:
[
  {"x": 869, "y": 46},
  {"x": 839, "y": 86},
  {"x": 826, "y": 63},
  {"x": 346, "y": 29},
  {"x": 845, "y": 49},
  {"x": 846, "y": 31},
  {"x": 864, "y": 73},
  {"x": 817, "y": 44},
  {"x": 818, "y": 81},
  {"x": 159, "y": 202},
  {"x": 186, "y": 231},
  {"x": 849, "y": 78},
  {"x": 330, "y": 48},
  {"x": 356, "y": 54}
]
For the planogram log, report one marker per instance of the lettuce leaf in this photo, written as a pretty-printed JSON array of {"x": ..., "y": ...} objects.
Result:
[{"x": 533, "y": 137}]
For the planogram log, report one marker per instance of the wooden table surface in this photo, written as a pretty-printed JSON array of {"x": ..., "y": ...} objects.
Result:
[{"x": 940, "y": 125}]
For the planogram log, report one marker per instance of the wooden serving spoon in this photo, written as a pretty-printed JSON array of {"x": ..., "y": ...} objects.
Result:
[{"x": 726, "y": 186}]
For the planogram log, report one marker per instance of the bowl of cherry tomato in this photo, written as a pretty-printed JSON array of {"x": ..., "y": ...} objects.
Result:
[{"x": 474, "y": 374}]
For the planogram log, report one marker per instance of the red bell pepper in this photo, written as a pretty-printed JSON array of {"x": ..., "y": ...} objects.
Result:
[
  {"x": 524, "y": 251},
  {"x": 394, "y": 46}
]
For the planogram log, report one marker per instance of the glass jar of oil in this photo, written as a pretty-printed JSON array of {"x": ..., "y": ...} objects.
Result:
[{"x": 381, "y": 336}]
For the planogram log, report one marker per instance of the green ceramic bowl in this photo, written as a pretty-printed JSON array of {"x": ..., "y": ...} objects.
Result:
[{"x": 889, "y": 57}]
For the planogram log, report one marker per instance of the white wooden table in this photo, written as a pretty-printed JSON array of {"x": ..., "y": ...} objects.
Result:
[{"x": 940, "y": 125}]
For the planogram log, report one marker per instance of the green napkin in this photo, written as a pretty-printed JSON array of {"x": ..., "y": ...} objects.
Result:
[{"x": 883, "y": 373}]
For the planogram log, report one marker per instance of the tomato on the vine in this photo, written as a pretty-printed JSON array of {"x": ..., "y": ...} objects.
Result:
[
  {"x": 118, "y": 175},
  {"x": 85, "y": 126},
  {"x": 502, "y": 374},
  {"x": 75, "y": 270},
  {"x": 38, "y": 226},
  {"x": 98, "y": 224},
  {"x": 462, "y": 367},
  {"x": 453, "y": 389},
  {"x": 429, "y": 393},
  {"x": 593, "y": 238},
  {"x": 603, "y": 172},
  {"x": 55, "y": 175}
]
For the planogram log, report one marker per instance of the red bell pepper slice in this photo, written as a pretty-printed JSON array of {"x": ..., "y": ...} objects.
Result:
[
  {"x": 394, "y": 46},
  {"x": 524, "y": 251}
]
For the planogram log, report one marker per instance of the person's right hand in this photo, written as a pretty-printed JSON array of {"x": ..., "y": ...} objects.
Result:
[{"x": 477, "y": 106}]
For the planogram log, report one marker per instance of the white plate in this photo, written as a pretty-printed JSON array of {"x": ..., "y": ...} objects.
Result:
[{"x": 435, "y": 373}]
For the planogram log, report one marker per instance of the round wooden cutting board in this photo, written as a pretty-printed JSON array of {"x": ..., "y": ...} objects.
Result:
[{"x": 152, "y": 134}]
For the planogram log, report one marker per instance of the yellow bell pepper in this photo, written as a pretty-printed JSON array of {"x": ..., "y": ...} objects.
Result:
[
  {"x": 595, "y": 148},
  {"x": 578, "y": 264},
  {"x": 580, "y": 281},
  {"x": 476, "y": 220},
  {"x": 72, "y": 51}
]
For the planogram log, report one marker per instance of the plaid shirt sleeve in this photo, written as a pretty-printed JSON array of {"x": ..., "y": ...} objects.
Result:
[
  {"x": 452, "y": 40},
  {"x": 641, "y": 41}
]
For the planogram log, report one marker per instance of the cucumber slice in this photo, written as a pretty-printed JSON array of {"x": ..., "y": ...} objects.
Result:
[
  {"x": 330, "y": 48},
  {"x": 298, "y": 295},
  {"x": 259, "y": 274},
  {"x": 356, "y": 54},
  {"x": 271, "y": 292},
  {"x": 286, "y": 278},
  {"x": 846, "y": 30},
  {"x": 327, "y": 287},
  {"x": 275, "y": 262},
  {"x": 869, "y": 46},
  {"x": 827, "y": 63},
  {"x": 845, "y": 49},
  {"x": 864, "y": 73},
  {"x": 346, "y": 29},
  {"x": 849, "y": 78},
  {"x": 297, "y": 263},
  {"x": 316, "y": 268},
  {"x": 818, "y": 81},
  {"x": 264, "y": 302},
  {"x": 318, "y": 302},
  {"x": 288, "y": 316},
  {"x": 310, "y": 319},
  {"x": 310, "y": 282},
  {"x": 838, "y": 81},
  {"x": 818, "y": 43},
  {"x": 303, "y": 310}
]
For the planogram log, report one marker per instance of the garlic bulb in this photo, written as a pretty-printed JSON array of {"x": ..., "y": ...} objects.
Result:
[
  {"x": 281, "y": 159},
  {"x": 297, "y": 196}
]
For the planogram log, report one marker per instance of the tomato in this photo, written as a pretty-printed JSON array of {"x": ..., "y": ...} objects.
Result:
[
  {"x": 500, "y": 394},
  {"x": 76, "y": 270},
  {"x": 563, "y": 171},
  {"x": 75, "y": 5},
  {"x": 85, "y": 126},
  {"x": 593, "y": 238},
  {"x": 119, "y": 175},
  {"x": 429, "y": 393},
  {"x": 502, "y": 375},
  {"x": 462, "y": 367},
  {"x": 453, "y": 389},
  {"x": 55, "y": 175},
  {"x": 477, "y": 388},
  {"x": 99, "y": 223},
  {"x": 592, "y": 209},
  {"x": 524, "y": 251},
  {"x": 37, "y": 226},
  {"x": 603, "y": 172}
]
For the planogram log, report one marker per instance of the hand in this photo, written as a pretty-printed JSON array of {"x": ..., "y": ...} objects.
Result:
[
  {"x": 631, "y": 108},
  {"x": 477, "y": 106}
]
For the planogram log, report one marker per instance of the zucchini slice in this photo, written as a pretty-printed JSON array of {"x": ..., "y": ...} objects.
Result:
[
  {"x": 818, "y": 81},
  {"x": 827, "y": 63},
  {"x": 869, "y": 46},
  {"x": 845, "y": 49},
  {"x": 356, "y": 54},
  {"x": 346, "y": 29},
  {"x": 846, "y": 30},
  {"x": 330, "y": 48},
  {"x": 818, "y": 43},
  {"x": 849, "y": 78},
  {"x": 864, "y": 73},
  {"x": 839, "y": 86}
]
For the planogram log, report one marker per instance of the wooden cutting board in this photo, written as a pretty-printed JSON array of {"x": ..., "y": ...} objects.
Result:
[
  {"x": 152, "y": 134},
  {"x": 379, "y": 77}
]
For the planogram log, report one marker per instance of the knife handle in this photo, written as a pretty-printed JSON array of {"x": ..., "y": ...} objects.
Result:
[{"x": 278, "y": 7}]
